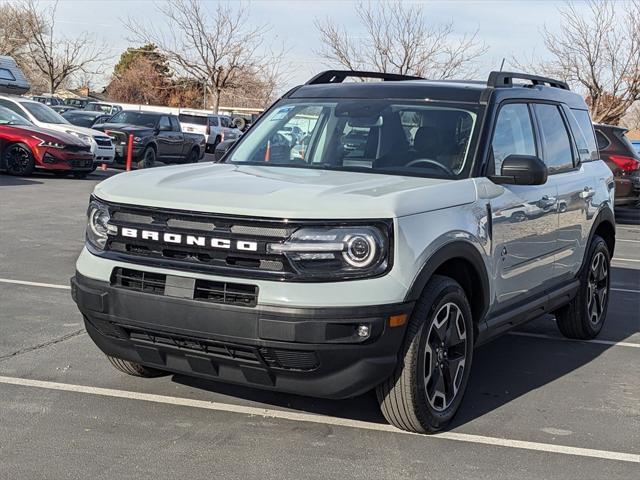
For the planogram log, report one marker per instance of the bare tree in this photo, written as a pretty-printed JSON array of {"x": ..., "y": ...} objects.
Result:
[
  {"x": 56, "y": 57},
  {"x": 13, "y": 41},
  {"x": 399, "y": 40},
  {"x": 598, "y": 53},
  {"x": 215, "y": 47}
]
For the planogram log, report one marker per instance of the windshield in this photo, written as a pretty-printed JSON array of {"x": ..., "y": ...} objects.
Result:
[
  {"x": 376, "y": 136},
  {"x": 42, "y": 113},
  {"x": 79, "y": 119},
  {"x": 135, "y": 118},
  {"x": 7, "y": 117}
]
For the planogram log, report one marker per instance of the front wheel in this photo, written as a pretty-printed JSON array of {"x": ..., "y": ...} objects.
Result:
[
  {"x": 134, "y": 369},
  {"x": 148, "y": 159},
  {"x": 19, "y": 160},
  {"x": 426, "y": 389},
  {"x": 584, "y": 316}
]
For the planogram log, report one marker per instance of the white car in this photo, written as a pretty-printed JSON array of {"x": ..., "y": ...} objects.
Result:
[
  {"x": 44, "y": 117},
  {"x": 215, "y": 128}
]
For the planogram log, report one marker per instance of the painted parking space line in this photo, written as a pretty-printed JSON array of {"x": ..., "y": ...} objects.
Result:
[
  {"x": 564, "y": 339},
  {"x": 320, "y": 419},
  {"x": 616, "y": 259},
  {"x": 628, "y": 241},
  {"x": 625, "y": 290},
  {"x": 34, "y": 284}
]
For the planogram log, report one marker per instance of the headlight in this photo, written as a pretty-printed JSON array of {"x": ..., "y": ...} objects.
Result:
[
  {"x": 84, "y": 138},
  {"x": 49, "y": 143},
  {"x": 98, "y": 226},
  {"x": 337, "y": 252}
]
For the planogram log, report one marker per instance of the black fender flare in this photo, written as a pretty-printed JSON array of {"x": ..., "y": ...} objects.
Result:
[
  {"x": 604, "y": 215},
  {"x": 453, "y": 250}
]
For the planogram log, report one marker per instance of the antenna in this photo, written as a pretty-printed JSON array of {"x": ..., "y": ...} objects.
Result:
[{"x": 502, "y": 64}]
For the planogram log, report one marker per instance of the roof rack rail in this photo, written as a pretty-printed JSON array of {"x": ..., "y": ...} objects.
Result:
[
  {"x": 505, "y": 79},
  {"x": 338, "y": 76}
]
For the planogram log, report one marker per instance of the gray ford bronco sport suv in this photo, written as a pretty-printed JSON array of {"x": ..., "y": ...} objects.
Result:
[{"x": 417, "y": 220}]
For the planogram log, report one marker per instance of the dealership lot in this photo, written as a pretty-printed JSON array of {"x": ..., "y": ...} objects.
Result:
[{"x": 537, "y": 404}]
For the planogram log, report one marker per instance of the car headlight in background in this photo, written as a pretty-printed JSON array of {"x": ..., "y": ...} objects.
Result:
[
  {"x": 83, "y": 138},
  {"x": 98, "y": 226},
  {"x": 49, "y": 143},
  {"x": 336, "y": 252}
]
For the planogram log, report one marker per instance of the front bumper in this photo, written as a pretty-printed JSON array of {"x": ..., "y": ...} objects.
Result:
[
  {"x": 306, "y": 351},
  {"x": 57, "y": 159}
]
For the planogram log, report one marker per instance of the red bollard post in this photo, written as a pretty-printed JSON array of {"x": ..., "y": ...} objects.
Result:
[{"x": 129, "y": 152}]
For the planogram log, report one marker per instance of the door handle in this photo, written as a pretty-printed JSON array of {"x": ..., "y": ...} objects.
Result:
[{"x": 588, "y": 192}]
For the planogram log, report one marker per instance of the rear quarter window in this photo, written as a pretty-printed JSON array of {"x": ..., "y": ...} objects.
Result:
[{"x": 584, "y": 135}]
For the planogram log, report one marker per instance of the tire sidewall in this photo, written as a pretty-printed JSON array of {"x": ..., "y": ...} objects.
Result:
[
  {"x": 29, "y": 170},
  {"x": 425, "y": 412},
  {"x": 597, "y": 245},
  {"x": 148, "y": 158}
]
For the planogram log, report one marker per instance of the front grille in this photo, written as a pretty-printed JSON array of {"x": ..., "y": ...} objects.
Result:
[
  {"x": 290, "y": 359},
  {"x": 78, "y": 148},
  {"x": 81, "y": 163},
  {"x": 119, "y": 138},
  {"x": 196, "y": 344},
  {"x": 203, "y": 256},
  {"x": 276, "y": 358},
  {"x": 103, "y": 142},
  {"x": 226, "y": 293}
]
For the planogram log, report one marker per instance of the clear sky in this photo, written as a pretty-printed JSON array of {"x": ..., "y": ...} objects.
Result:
[{"x": 507, "y": 27}]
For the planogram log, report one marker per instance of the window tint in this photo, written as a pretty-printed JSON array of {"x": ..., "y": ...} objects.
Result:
[
  {"x": 13, "y": 107},
  {"x": 6, "y": 74},
  {"x": 175, "y": 125},
  {"x": 378, "y": 136},
  {"x": 558, "y": 154},
  {"x": 225, "y": 122},
  {"x": 603, "y": 141},
  {"x": 584, "y": 138},
  {"x": 513, "y": 134},
  {"x": 164, "y": 124},
  {"x": 193, "y": 119},
  {"x": 213, "y": 121}
]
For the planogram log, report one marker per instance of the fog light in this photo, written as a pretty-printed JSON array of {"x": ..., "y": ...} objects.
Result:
[{"x": 363, "y": 331}]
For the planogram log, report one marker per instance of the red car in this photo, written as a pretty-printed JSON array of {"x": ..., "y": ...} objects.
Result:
[{"x": 25, "y": 148}]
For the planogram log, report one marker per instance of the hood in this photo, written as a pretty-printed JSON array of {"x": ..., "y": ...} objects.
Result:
[
  {"x": 63, "y": 127},
  {"x": 52, "y": 135},
  {"x": 283, "y": 192},
  {"x": 125, "y": 127}
]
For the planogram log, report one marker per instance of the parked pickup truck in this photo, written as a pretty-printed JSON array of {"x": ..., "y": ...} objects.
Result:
[{"x": 156, "y": 136}]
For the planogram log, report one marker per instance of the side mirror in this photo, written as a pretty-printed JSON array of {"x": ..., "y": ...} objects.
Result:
[{"x": 522, "y": 170}]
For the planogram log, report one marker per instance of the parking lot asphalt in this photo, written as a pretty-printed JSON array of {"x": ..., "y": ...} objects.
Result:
[{"x": 538, "y": 406}]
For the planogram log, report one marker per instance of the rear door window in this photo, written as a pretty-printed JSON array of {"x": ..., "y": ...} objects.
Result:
[
  {"x": 558, "y": 153},
  {"x": 164, "y": 124}
]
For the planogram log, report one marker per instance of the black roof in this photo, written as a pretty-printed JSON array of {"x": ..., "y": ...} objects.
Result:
[{"x": 499, "y": 85}]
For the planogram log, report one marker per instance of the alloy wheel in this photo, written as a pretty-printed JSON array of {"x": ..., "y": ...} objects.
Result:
[
  {"x": 18, "y": 160},
  {"x": 597, "y": 287},
  {"x": 445, "y": 356}
]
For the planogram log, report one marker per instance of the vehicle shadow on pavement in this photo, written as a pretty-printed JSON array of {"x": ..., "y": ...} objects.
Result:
[
  {"x": 10, "y": 181},
  {"x": 364, "y": 407}
]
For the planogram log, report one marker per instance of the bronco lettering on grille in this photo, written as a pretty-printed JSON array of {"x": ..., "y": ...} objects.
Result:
[{"x": 191, "y": 240}]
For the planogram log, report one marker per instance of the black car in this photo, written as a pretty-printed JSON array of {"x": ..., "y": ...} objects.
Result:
[
  {"x": 85, "y": 118},
  {"x": 155, "y": 135}
]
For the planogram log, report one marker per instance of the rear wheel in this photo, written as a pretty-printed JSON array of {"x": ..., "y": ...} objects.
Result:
[
  {"x": 584, "y": 316},
  {"x": 148, "y": 159},
  {"x": 426, "y": 389},
  {"x": 19, "y": 160},
  {"x": 194, "y": 156},
  {"x": 134, "y": 369}
]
